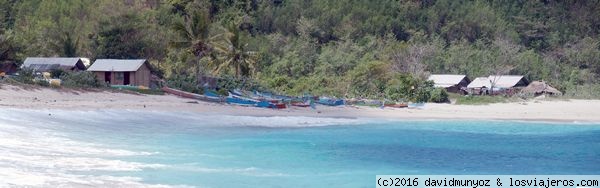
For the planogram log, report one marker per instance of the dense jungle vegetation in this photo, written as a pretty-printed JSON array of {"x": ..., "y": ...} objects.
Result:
[{"x": 354, "y": 48}]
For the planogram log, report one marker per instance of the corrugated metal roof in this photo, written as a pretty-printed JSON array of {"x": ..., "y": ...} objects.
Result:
[
  {"x": 505, "y": 81},
  {"x": 480, "y": 82},
  {"x": 62, "y": 61},
  {"x": 501, "y": 81},
  {"x": 117, "y": 65},
  {"x": 47, "y": 67},
  {"x": 446, "y": 80}
]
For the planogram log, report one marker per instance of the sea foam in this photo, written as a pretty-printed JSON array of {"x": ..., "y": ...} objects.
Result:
[{"x": 40, "y": 157}]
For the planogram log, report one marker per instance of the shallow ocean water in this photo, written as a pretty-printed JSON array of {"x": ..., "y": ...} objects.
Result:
[{"x": 121, "y": 148}]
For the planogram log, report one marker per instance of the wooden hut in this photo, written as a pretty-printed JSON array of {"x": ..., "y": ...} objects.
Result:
[
  {"x": 480, "y": 86},
  {"x": 497, "y": 84},
  {"x": 508, "y": 81},
  {"x": 537, "y": 88},
  {"x": 454, "y": 83},
  {"x": 135, "y": 72},
  {"x": 47, "y": 64}
]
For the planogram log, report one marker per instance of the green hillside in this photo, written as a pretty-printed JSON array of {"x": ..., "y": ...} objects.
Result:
[{"x": 339, "y": 47}]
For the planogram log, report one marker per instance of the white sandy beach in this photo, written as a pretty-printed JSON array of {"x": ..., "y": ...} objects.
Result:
[{"x": 67, "y": 99}]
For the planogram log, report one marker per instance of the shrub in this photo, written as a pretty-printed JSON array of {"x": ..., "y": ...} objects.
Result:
[
  {"x": 82, "y": 79},
  {"x": 41, "y": 82},
  {"x": 421, "y": 94},
  {"x": 438, "y": 95},
  {"x": 584, "y": 91},
  {"x": 230, "y": 83},
  {"x": 187, "y": 83},
  {"x": 401, "y": 87},
  {"x": 25, "y": 76},
  {"x": 57, "y": 73}
]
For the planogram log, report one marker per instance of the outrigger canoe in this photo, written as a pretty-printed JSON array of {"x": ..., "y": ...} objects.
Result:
[
  {"x": 189, "y": 95},
  {"x": 330, "y": 101},
  {"x": 235, "y": 98}
]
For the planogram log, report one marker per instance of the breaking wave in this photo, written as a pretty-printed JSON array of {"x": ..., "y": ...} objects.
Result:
[{"x": 34, "y": 156}]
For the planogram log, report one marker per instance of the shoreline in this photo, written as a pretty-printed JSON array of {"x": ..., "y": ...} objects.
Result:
[{"x": 562, "y": 111}]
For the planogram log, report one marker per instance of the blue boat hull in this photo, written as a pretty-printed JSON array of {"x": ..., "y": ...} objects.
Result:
[
  {"x": 331, "y": 102},
  {"x": 239, "y": 101}
]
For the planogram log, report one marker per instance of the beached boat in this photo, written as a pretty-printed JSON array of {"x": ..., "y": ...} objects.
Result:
[
  {"x": 211, "y": 93},
  {"x": 365, "y": 102},
  {"x": 235, "y": 98},
  {"x": 416, "y": 105},
  {"x": 267, "y": 104},
  {"x": 330, "y": 101},
  {"x": 271, "y": 95},
  {"x": 300, "y": 104},
  {"x": 241, "y": 101},
  {"x": 189, "y": 95},
  {"x": 399, "y": 105}
]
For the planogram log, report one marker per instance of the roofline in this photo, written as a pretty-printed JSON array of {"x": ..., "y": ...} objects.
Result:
[{"x": 137, "y": 68}]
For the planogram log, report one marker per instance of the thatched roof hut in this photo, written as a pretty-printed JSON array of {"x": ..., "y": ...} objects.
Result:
[{"x": 540, "y": 88}]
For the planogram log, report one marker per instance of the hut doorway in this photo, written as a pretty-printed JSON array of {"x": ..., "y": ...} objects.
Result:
[
  {"x": 126, "y": 78},
  {"x": 107, "y": 77}
]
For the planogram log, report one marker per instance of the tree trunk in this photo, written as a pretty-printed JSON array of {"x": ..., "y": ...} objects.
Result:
[{"x": 198, "y": 68}]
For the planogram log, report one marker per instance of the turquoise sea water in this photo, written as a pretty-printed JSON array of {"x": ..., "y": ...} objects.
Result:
[{"x": 133, "y": 148}]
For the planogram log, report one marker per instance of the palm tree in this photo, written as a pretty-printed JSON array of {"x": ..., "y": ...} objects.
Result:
[
  {"x": 233, "y": 53},
  {"x": 194, "y": 36}
]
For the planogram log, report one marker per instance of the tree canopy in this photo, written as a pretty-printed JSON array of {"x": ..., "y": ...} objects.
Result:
[{"x": 343, "y": 47}]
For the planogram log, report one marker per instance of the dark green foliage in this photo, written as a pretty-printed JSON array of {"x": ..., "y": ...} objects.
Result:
[
  {"x": 69, "y": 46},
  {"x": 41, "y": 82},
  {"x": 187, "y": 83},
  {"x": 229, "y": 82},
  {"x": 25, "y": 76},
  {"x": 81, "y": 79},
  {"x": 401, "y": 88},
  {"x": 8, "y": 46},
  {"x": 438, "y": 95},
  {"x": 370, "y": 79},
  {"x": 57, "y": 73},
  {"x": 121, "y": 38},
  {"x": 346, "y": 48}
]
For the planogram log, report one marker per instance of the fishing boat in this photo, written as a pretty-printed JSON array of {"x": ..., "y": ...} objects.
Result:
[
  {"x": 330, "y": 101},
  {"x": 211, "y": 93},
  {"x": 366, "y": 102},
  {"x": 300, "y": 104},
  {"x": 237, "y": 99},
  {"x": 396, "y": 105},
  {"x": 416, "y": 105},
  {"x": 189, "y": 95}
]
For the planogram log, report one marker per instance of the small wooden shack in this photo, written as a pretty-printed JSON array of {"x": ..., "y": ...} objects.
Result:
[
  {"x": 47, "y": 64},
  {"x": 135, "y": 72},
  {"x": 480, "y": 86},
  {"x": 508, "y": 81},
  {"x": 454, "y": 83},
  {"x": 498, "y": 84}
]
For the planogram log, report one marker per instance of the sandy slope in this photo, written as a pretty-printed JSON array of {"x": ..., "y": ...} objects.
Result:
[{"x": 44, "y": 98}]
